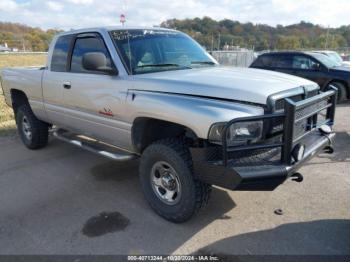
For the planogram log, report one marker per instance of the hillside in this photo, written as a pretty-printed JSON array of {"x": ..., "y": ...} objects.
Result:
[
  {"x": 298, "y": 36},
  {"x": 25, "y": 37},
  {"x": 210, "y": 33}
]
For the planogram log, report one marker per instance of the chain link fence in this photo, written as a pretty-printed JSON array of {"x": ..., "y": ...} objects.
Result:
[{"x": 234, "y": 58}]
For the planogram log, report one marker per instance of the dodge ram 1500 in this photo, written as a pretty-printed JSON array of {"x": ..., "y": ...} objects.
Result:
[{"x": 157, "y": 95}]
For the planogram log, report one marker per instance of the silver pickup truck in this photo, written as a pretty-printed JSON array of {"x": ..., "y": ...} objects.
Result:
[{"x": 157, "y": 95}]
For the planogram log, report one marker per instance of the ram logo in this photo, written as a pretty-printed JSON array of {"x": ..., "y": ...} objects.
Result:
[{"x": 106, "y": 112}]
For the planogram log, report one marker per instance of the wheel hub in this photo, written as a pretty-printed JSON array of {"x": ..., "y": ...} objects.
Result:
[
  {"x": 26, "y": 128},
  {"x": 168, "y": 182},
  {"x": 165, "y": 183}
]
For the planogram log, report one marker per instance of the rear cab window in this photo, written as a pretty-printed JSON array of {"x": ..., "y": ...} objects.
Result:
[{"x": 60, "y": 53}]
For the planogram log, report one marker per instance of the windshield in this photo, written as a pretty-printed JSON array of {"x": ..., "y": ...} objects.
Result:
[
  {"x": 336, "y": 57},
  {"x": 328, "y": 62},
  {"x": 148, "y": 51}
]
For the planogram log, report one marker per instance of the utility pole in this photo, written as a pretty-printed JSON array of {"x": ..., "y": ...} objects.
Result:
[
  {"x": 23, "y": 45},
  {"x": 326, "y": 43},
  {"x": 212, "y": 43},
  {"x": 219, "y": 41}
]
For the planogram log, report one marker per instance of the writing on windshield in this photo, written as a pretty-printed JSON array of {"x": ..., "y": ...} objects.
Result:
[{"x": 147, "y": 51}]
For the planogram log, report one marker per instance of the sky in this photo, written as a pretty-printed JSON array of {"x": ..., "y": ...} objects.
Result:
[{"x": 74, "y": 14}]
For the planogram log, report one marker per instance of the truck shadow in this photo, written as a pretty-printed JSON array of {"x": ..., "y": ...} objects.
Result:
[
  {"x": 344, "y": 104},
  {"x": 320, "y": 237},
  {"x": 115, "y": 171}
]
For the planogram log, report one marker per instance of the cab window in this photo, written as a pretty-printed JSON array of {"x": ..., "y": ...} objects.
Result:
[
  {"x": 60, "y": 53},
  {"x": 85, "y": 45}
]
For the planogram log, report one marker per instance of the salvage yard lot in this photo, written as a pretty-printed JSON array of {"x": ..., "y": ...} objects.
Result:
[{"x": 50, "y": 202}]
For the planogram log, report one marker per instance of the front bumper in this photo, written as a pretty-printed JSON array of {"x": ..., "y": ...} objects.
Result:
[
  {"x": 263, "y": 167},
  {"x": 255, "y": 173}
]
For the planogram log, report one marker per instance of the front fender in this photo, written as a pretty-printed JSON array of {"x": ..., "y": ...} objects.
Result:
[{"x": 193, "y": 112}]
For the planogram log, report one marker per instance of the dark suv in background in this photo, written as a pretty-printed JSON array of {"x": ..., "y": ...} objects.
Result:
[{"x": 313, "y": 66}]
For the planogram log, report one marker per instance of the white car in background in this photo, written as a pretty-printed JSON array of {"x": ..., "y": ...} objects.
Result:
[{"x": 335, "y": 57}]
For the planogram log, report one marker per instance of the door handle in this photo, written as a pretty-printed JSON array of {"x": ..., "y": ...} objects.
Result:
[{"x": 67, "y": 85}]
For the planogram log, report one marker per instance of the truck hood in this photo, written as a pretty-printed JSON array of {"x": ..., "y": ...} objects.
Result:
[
  {"x": 342, "y": 69},
  {"x": 242, "y": 84}
]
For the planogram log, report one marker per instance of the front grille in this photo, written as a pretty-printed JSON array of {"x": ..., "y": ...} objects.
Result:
[
  {"x": 310, "y": 109},
  {"x": 277, "y": 125},
  {"x": 313, "y": 93},
  {"x": 300, "y": 127},
  {"x": 309, "y": 117},
  {"x": 279, "y": 105}
]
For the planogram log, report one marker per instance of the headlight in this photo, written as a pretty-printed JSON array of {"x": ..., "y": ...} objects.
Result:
[{"x": 241, "y": 133}]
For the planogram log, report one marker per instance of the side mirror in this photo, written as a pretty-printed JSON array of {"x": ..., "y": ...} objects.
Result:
[{"x": 97, "y": 61}]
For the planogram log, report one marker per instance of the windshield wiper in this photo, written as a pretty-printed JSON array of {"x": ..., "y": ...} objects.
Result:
[
  {"x": 203, "y": 62},
  {"x": 163, "y": 65}
]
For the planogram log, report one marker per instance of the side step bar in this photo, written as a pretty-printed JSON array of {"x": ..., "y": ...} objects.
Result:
[{"x": 93, "y": 146}]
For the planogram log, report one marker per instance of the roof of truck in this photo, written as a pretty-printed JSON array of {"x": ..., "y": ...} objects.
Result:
[{"x": 111, "y": 28}]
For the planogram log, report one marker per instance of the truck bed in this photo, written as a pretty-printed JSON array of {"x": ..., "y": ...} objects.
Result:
[{"x": 26, "y": 79}]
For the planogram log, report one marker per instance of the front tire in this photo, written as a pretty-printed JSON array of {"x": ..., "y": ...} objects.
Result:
[
  {"x": 33, "y": 132},
  {"x": 342, "y": 93},
  {"x": 167, "y": 180}
]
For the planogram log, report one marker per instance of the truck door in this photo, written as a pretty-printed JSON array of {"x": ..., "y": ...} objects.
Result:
[
  {"x": 52, "y": 81},
  {"x": 94, "y": 100}
]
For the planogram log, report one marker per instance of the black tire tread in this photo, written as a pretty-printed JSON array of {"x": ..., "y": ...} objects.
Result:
[
  {"x": 40, "y": 129},
  {"x": 342, "y": 90},
  {"x": 202, "y": 190}
]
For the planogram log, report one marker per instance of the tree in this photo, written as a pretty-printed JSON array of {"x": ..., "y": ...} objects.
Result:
[
  {"x": 303, "y": 35},
  {"x": 288, "y": 42},
  {"x": 19, "y": 36}
]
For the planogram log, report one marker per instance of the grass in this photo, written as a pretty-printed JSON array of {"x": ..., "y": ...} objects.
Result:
[
  {"x": 7, "y": 122},
  {"x": 12, "y": 60}
]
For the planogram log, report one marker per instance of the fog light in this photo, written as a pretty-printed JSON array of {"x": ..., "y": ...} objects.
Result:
[
  {"x": 298, "y": 152},
  {"x": 325, "y": 129}
]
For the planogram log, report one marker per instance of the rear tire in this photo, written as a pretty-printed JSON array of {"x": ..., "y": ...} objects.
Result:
[
  {"x": 172, "y": 159},
  {"x": 342, "y": 91},
  {"x": 33, "y": 132}
]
